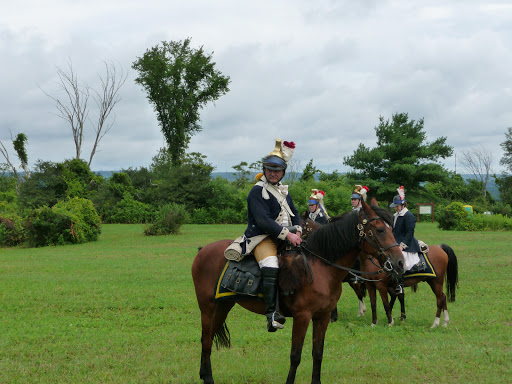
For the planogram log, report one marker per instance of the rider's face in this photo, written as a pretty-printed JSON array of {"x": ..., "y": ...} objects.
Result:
[
  {"x": 355, "y": 202},
  {"x": 399, "y": 207},
  {"x": 273, "y": 177},
  {"x": 312, "y": 207}
]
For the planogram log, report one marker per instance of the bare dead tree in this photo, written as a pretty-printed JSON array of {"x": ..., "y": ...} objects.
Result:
[
  {"x": 74, "y": 108},
  {"x": 478, "y": 162},
  {"x": 106, "y": 101}
]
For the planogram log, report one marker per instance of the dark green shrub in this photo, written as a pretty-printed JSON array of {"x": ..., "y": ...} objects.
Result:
[
  {"x": 68, "y": 222},
  {"x": 86, "y": 221},
  {"x": 130, "y": 211},
  {"x": 11, "y": 230},
  {"x": 44, "y": 226},
  {"x": 169, "y": 220},
  {"x": 202, "y": 216}
]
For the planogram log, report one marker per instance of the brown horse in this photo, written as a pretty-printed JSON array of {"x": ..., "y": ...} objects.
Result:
[
  {"x": 330, "y": 251},
  {"x": 444, "y": 262}
]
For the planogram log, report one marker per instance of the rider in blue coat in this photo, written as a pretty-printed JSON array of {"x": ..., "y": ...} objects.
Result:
[
  {"x": 317, "y": 212},
  {"x": 404, "y": 223},
  {"x": 272, "y": 218}
]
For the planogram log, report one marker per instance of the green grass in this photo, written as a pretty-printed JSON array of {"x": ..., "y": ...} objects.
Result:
[{"x": 123, "y": 310}]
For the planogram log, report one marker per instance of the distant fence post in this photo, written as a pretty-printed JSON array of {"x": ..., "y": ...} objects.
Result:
[{"x": 425, "y": 209}]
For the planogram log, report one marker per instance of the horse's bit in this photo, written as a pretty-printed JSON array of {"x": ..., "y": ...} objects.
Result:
[{"x": 374, "y": 242}]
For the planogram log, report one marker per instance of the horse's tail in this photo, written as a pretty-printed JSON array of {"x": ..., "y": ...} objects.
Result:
[
  {"x": 222, "y": 338},
  {"x": 452, "y": 273}
]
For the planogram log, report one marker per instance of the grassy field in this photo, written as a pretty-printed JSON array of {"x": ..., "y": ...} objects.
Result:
[{"x": 123, "y": 310}]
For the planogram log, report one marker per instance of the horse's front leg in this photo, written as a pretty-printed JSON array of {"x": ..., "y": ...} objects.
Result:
[
  {"x": 373, "y": 302},
  {"x": 300, "y": 327},
  {"x": 383, "y": 291},
  {"x": 401, "y": 298},
  {"x": 319, "y": 328}
]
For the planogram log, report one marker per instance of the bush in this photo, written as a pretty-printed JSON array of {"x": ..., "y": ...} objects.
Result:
[
  {"x": 11, "y": 230},
  {"x": 452, "y": 217},
  {"x": 70, "y": 221},
  {"x": 169, "y": 220},
  {"x": 202, "y": 216},
  {"x": 130, "y": 211}
]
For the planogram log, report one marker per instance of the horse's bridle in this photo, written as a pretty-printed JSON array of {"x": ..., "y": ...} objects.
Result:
[{"x": 374, "y": 242}]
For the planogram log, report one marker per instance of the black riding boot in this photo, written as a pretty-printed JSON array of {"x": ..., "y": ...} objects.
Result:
[{"x": 274, "y": 319}]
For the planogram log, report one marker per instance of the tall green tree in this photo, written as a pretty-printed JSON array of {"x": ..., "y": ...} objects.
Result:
[
  {"x": 402, "y": 157},
  {"x": 309, "y": 172},
  {"x": 506, "y": 160},
  {"x": 179, "y": 81},
  {"x": 504, "y": 183}
]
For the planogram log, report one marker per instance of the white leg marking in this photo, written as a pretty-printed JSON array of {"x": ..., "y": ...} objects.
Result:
[
  {"x": 446, "y": 318},
  {"x": 362, "y": 308},
  {"x": 437, "y": 321}
]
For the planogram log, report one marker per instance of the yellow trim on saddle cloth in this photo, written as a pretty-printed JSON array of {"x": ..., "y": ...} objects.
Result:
[
  {"x": 423, "y": 274},
  {"x": 221, "y": 295}
]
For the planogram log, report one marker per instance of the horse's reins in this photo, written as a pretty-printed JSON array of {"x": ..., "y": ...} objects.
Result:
[{"x": 374, "y": 242}]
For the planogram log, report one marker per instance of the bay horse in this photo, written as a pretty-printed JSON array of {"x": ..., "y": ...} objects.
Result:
[
  {"x": 443, "y": 260},
  {"x": 329, "y": 251}
]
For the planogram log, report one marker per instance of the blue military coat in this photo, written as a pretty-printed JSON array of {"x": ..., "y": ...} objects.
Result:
[
  {"x": 403, "y": 230},
  {"x": 262, "y": 214}
]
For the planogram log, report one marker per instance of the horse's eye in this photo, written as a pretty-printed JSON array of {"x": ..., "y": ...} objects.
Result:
[{"x": 380, "y": 230}]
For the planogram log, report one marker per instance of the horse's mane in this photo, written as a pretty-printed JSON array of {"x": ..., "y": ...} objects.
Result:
[
  {"x": 336, "y": 238},
  {"x": 340, "y": 235},
  {"x": 384, "y": 214}
]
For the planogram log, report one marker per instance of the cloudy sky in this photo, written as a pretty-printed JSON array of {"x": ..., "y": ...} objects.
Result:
[{"x": 319, "y": 73}]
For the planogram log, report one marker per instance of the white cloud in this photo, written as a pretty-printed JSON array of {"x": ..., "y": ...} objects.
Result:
[{"x": 318, "y": 73}]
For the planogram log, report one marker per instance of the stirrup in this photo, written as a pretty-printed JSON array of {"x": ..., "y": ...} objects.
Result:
[{"x": 274, "y": 323}]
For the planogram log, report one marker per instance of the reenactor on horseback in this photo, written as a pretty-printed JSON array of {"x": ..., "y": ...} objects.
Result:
[
  {"x": 404, "y": 223},
  {"x": 357, "y": 196},
  {"x": 272, "y": 219},
  {"x": 317, "y": 211}
]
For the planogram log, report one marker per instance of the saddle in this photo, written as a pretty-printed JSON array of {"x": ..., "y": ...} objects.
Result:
[
  {"x": 421, "y": 269},
  {"x": 242, "y": 279}
]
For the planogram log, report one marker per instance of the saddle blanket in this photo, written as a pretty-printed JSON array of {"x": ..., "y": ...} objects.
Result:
[
  {"x": 239, "y": 280},
  {"x": 421, "y": 269}
]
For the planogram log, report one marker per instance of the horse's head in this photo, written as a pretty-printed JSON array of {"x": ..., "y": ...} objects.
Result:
[
  {"x": 307, "y": 224},
  {"x": 375, "y": 230}
]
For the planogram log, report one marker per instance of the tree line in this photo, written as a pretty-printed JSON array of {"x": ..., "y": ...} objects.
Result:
[{"x": 179, "y": 81}]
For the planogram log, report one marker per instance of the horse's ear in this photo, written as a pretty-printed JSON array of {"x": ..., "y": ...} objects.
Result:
[{"x": 374, "y": 201}]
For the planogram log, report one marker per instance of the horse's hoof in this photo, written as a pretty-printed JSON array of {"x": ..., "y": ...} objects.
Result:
[{"x": 374, "y": 325}]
